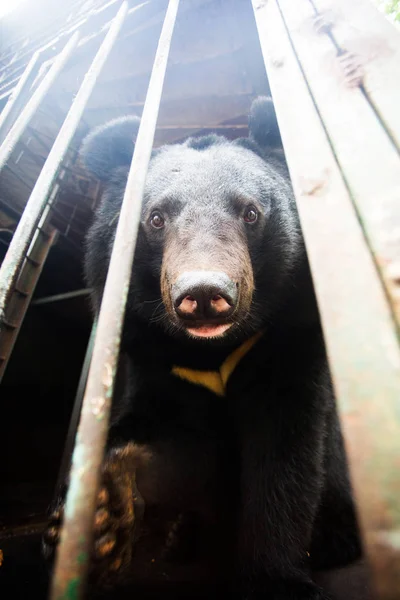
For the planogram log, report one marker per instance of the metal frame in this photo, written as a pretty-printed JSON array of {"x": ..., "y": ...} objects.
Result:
[
  {"x": 31, "y": 107},
  {"x": 39, "y": 196},
  {"x": 13, "y": 105},
  {"x": 326, "y": 160},
  {"x": 76, "y": 536},
  {"x": 324, "y": 84}
]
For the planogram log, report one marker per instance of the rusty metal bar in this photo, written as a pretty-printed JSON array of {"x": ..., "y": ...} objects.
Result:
[
  {"x": 26, "y": 115},
  {"x": 76, "y": 411},
  {"x": 358, "y": 324},
  {"x": 33, "y": 265},
  {"x": 76, "y": 537},
  {"x": 9, "y": 84},
  {"x": 369, "y": 158},
  {"x": 38, "y": 198},
  {"x": 16, "y": 99},
  {"x": 43, "y": 238},
  {"x": 61, "y": 297}
]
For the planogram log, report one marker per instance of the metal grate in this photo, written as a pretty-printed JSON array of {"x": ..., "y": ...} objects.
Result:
[
  {"x": 92, "y": 432},
  {"x": 343, "y": 157}
]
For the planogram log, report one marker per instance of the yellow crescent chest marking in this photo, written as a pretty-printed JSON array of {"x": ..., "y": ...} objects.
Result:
[{"x": 216, "y": 381}]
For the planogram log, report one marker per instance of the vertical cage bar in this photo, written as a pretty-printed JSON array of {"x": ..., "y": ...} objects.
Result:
[
  {"x": 76, "y": 411},
  {"x": 44, "y": 239},
  {"x": 17, "y": 97},
  {"x": 76, "y": 536},
  {"x": 27, "y": 279},
  {"x": 26, "y": 115},
  {"x": 38, "y": 198},
  {"x": 359, "y": 329}
]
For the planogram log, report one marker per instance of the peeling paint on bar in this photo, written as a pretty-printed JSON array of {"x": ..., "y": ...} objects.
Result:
[
  {"x": 357, "y": 316},
  {"x": 76, "y": 536}
]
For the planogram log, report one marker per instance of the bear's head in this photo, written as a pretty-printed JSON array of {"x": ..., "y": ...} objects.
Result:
[{"x": 219, "y": 237}]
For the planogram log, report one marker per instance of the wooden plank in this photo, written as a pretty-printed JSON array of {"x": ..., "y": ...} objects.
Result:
[
  {"x": 361, "y": 341},
  {"x": 363, "y": 31},
  {"x": 369, "y": 162}
]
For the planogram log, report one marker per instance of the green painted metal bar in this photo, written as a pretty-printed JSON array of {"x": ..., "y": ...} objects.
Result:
[
  {"x": 32, "y": 105},
  {"x": 18, "y": 97},
  {"x": 73, "y": 554},
  {"x": 356, "y": 314},
  {"x": 76, "y": 411},
  {"x": 44, "y": 239},
  {"x": 39, "y": 196},
  {"x": 61, "y": 297}
]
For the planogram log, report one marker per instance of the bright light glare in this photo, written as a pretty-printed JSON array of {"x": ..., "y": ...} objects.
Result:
[{"x": 7, "y": 6}]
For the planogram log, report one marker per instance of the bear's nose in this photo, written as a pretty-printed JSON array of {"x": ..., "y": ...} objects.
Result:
[{"x": 204, "y": 295}]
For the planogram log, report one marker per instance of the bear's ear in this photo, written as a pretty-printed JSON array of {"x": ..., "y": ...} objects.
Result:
[
  {"x": 263, "y": 126},
  {"x": 110, "y": 146}
]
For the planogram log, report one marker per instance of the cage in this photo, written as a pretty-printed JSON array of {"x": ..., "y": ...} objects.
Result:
[{"x": 335, "y": 64}]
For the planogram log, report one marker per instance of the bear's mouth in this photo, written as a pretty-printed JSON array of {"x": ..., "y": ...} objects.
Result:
[{"x": 208, "y": 330}]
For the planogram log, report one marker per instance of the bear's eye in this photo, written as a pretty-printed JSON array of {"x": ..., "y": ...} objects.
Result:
[
  {"x": 250, "y": 214},
  {"x": 157, "y": 220}
]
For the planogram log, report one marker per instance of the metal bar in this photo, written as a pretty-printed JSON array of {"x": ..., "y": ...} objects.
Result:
[
  {"x": 14, "y": 314},
  {"x": 37, "y": 134},
  {"x": 76, "y": 536},
  {"x": 60, "y": 297},
  {"x": 38, "y": 198},
  {"x": 76, "y": 411},
  {"x": 16, "y": 99},
  {"x": 26, "y": 115},
  {"x": 51, "y": 43},
  {"x": 354, "y": 23},
  {"x": 26, "y": 284},
  {"x": 361, "y": 339},
  {"x": 9, "y": 84},
  {"x": 47, "y": 32},
  {"x": 46, "y": 39},
  {"x": 369, "y": 160},
  {"x": 82, "y": 22}
]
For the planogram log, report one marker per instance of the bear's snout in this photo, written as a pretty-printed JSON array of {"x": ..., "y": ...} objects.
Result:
[{"x": 204, "y": 296}]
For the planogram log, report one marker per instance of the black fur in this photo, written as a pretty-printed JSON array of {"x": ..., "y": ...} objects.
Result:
[
  {"x": 114, "y": 148},
  {"x": 263, "y": 469}
]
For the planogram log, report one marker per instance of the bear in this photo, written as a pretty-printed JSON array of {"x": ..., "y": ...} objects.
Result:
[{"x": 224, "y": 442}]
